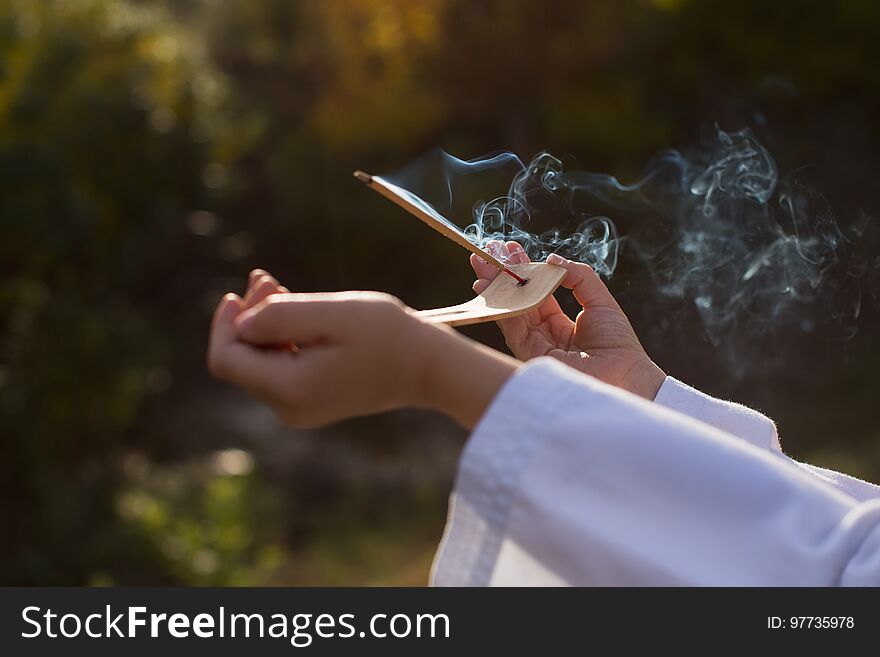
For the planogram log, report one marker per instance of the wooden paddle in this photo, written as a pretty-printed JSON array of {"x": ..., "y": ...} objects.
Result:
[
  {"x": 523, "y": 289},
  {"x": 503, "y": 298}
]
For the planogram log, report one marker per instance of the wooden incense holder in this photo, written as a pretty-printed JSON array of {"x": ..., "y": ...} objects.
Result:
[
  {"x": 503, "y": 298},
  {"x": 515, "y": 291}
]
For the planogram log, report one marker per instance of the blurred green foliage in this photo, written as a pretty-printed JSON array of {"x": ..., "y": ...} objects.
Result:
[
  {"x": 106, "y": 131},
  {"x": 206, "y": 520},
  {"x": 151, "y": 152}
]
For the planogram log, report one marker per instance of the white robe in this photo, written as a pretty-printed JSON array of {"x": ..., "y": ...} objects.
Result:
[{"x": 569, "y": 481}]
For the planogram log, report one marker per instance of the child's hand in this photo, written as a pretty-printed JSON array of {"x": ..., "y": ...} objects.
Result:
[
  {"x": 318, "y": 358},
  {"x": 600, "y": 342},
  {"x": 350, "y": 353}
]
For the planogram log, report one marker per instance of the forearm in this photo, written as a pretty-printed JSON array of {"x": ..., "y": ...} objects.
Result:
[{"x": 461, "y": 376}]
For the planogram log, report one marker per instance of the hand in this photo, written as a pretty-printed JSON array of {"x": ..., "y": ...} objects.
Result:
[
  {"x": 318, "y": 358},
  {"x": 600, "y": 342},
  {"x": 346, "y": 359}
]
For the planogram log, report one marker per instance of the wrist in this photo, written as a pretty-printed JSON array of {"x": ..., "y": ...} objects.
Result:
[
  {"x": 646, "y": 380},
  {"x": 431, "y": 346},
  {"x": 458, "y": 376}
]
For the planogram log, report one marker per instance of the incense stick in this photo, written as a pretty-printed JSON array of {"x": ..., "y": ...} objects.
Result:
[{"x": 420, "y": 209}]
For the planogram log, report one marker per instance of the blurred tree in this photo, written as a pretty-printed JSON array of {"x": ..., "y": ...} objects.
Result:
[{"x": 109, "y": 134}]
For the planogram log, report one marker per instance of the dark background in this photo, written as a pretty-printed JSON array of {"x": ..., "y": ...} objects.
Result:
[{"x": 152, "y": 153}]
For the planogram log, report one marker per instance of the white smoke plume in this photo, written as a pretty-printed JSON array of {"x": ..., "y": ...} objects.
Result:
[{"x": 717, "y": 229}]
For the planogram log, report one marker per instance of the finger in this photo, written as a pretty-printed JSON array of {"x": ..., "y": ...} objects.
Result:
[
  {"x": 588, "y": 288},
  {"x": 256, "y": 274},
  {"x": 518, "y": 255},
  {"x": 298, "y": 318},
  {"x": 227, "y": 310},
  {"x": 253, "y": 276},
  {"x": 482, "y": 268},
  {"x": 230, "y": 359},
  {"x": 255, "y": 279},
  {"x": 515, "y": 331},
  {"x": 222, "y": 330},
  {"x": 481, "y": 284},
  {"x": 264, "y": 286}
]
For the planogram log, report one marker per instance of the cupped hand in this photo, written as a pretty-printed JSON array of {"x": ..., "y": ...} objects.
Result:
[
  {"x": 600, "y": 341},
  {"x": 318, "y": 358}
]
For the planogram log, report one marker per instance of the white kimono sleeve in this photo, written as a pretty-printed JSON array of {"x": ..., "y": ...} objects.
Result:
[
  {"x": 754, "y": 428},
  {"x": 569, "y": 481}
]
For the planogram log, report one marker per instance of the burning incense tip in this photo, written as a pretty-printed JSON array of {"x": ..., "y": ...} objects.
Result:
[
  {"x": 519, "y": 280},
  {"x": 363, "y": 177}
]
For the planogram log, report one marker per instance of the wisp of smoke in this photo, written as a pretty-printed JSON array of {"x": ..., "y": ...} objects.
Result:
[
  {"x": 534, "y": 188},
  {"x": 718, "y": 230}
]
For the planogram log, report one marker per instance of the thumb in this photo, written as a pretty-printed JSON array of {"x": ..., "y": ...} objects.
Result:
[
  {"x": 588, "y": 288},
  {"x": 298, "y": 318}
]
